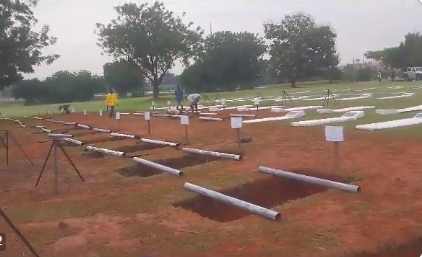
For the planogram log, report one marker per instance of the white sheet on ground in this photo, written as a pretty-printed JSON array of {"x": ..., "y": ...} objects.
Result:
[
  {"x": 347, "y": 109},
  {"x": 416, "y": 120},
  {"x": 288, "y": 116},
  {"x": 396, "y": 111},
  {"x": 348, "y": 116}
]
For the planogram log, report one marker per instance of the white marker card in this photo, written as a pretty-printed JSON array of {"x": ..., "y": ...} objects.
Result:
[
  {"x": 84, "y": 112},
  {"x": 152, "y": 103},
  {"x": 256, "y": 101},
  {"x": 184, "y": 120},
  {"x": 236, "y": 122},
  {"x": 147, "y": 115},
  {"x": 117, "y": 115},
  {"x": 223, "y": 102},
  {"x": 334, "y": 133},
  {"x": 101, "y": 112},
  {"x": 168, "y": 103}
]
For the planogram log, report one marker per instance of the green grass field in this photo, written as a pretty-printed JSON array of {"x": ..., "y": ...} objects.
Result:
[{"x": 318, "y": 90}]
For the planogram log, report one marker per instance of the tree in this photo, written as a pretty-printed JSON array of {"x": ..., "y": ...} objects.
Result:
[
  {"x": 333, "y": 74},
  {"x": 61, "y": 87},
  {"x": 151, "y": 37},
  {"x": 408, "y": 53},
  {"x": 20, "y": 45},
  {"x": 30, "y": 90},
  {"x": 300, "y": 48},
  {"x": 123, "y": 77},
  {"x": 228, "y": 60}
]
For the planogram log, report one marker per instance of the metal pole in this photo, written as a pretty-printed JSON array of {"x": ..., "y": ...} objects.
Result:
[
  {"x": 309, "y": 179},
  {"x": 236, "y": 157},
  {"x": 7, "y": 147},
  {"x": 159, "y": 142},
  {"x": 158, "y": 166},
  {"x": 56, "y": 168},
  {"x": 267, "y": 213}
]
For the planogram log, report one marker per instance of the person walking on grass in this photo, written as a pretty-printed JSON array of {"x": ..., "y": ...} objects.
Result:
[
  {"x": 193, "y": 100},
  {"x": 179, "y": 97},
  {"x": 111, "y": 102}
]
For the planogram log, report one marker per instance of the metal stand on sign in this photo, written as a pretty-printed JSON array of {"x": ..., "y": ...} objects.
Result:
[
  {"x": 56, "y": 145},
  {"x": 147, "y": 117},
  {"x": 5, "y": 140},
  {"x": 184, "y": 120},
  {"x": 335, "y": 134},
  {"x": 236, "y": 124}
]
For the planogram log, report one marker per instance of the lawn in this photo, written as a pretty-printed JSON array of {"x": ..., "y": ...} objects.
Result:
[{"x": 128, "y": 210}]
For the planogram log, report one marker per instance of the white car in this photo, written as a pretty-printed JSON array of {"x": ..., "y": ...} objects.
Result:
[{"x": 413, "y": 73}]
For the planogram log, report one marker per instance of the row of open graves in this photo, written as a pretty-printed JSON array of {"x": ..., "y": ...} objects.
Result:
[{"x": 257, "y": 197}]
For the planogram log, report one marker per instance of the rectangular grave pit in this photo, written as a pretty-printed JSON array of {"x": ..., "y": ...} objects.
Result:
[
  {"x": 266, "y": 192},
  {"x": 139, "y": 170},
  {"x": 138, "y": 146}
]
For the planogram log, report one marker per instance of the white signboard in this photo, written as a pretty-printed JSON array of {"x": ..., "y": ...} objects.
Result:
[
  {"x": 256, "y": 101},
  {"x": 168, "y": 103},
  {"x": 117, "y": 115},
  {"x": 334, "y": 133},
  {"x": 85, "y": 112},
  {"x": 184, "y": 120},
  {"x": 152, "y": 103},
  {"x": 236, "y": 122},
  {"x": 101, "y": 112},
  {"x": 147, "y": 115},
  {"x": 223, "y": 102},
  {"x": 73, "y": 109}
]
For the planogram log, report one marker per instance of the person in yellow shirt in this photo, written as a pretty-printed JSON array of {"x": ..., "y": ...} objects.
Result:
[{"x": 111, "y": 103}]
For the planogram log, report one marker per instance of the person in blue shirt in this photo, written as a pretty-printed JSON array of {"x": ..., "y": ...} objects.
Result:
[{"x": 179, "y": 97}]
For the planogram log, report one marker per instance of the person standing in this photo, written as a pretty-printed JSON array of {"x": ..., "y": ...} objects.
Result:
[
  {"x": 179, "y": 97},
  {"x": 193, "y": 100},
  {"x": 111, "y": 102}
]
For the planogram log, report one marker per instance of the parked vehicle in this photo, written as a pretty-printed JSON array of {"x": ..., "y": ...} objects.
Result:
[{"x": 413, "y": 73}]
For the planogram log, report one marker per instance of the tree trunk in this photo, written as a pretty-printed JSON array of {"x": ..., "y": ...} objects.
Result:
[
  {"x": 293, "y": 83},
  {"x": 155, "y": 89}
]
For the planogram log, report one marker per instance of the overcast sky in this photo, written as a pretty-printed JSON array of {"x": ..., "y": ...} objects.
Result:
[{"x": 361, "y": 25}]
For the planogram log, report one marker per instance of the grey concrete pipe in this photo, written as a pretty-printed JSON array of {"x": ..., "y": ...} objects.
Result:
[
  {"x": 106, "y": 151},
  {"x": 70, "y": 123},
  {"x": 83, "y": 126},
  {"x": 158, "y": 166},
  {"x": 46, "y": 130},
  {"x": 211, "y": 118},
  {"x": 159, "y": 142},
  {"x": 101, "y": 130},
  {"x": 22, "y": 126},
  {"x": 236, "y": 157},
  {"x": 41, "y": 127},
  {"x": 124, "y": 135},
  {"x": 264, "y": 212},
  {"x": 208, "y": 113},
  {"x": 243, "y": 115},
  {"x": 49, "y": 120},
  {"x": 73, "y": 141},
  {"x": 37, "y": 118},
  {"x": 309, "y": 179},
  {"x": 59, "y": 135},
  {"x": 160, "y": 115},
  {"x": 138, "y": 113}
]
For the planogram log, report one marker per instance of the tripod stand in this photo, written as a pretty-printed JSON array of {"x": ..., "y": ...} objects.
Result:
[
  {"x": 20, "y": 235},
  {"x": 327, "y": 97},
  {"x": 5, "y": 142},
  {"x": 56, "y": 145},
  {"x": 285, "y": 97}
]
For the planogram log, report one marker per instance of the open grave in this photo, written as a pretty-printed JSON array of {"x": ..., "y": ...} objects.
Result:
[
  {"x": 267, "y": 192},
  {"x": 180, "y": 162},
  {"x": 138, "y": 146}
]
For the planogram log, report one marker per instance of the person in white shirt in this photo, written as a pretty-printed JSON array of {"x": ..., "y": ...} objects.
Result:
[{"x": 193, "y": 100}]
